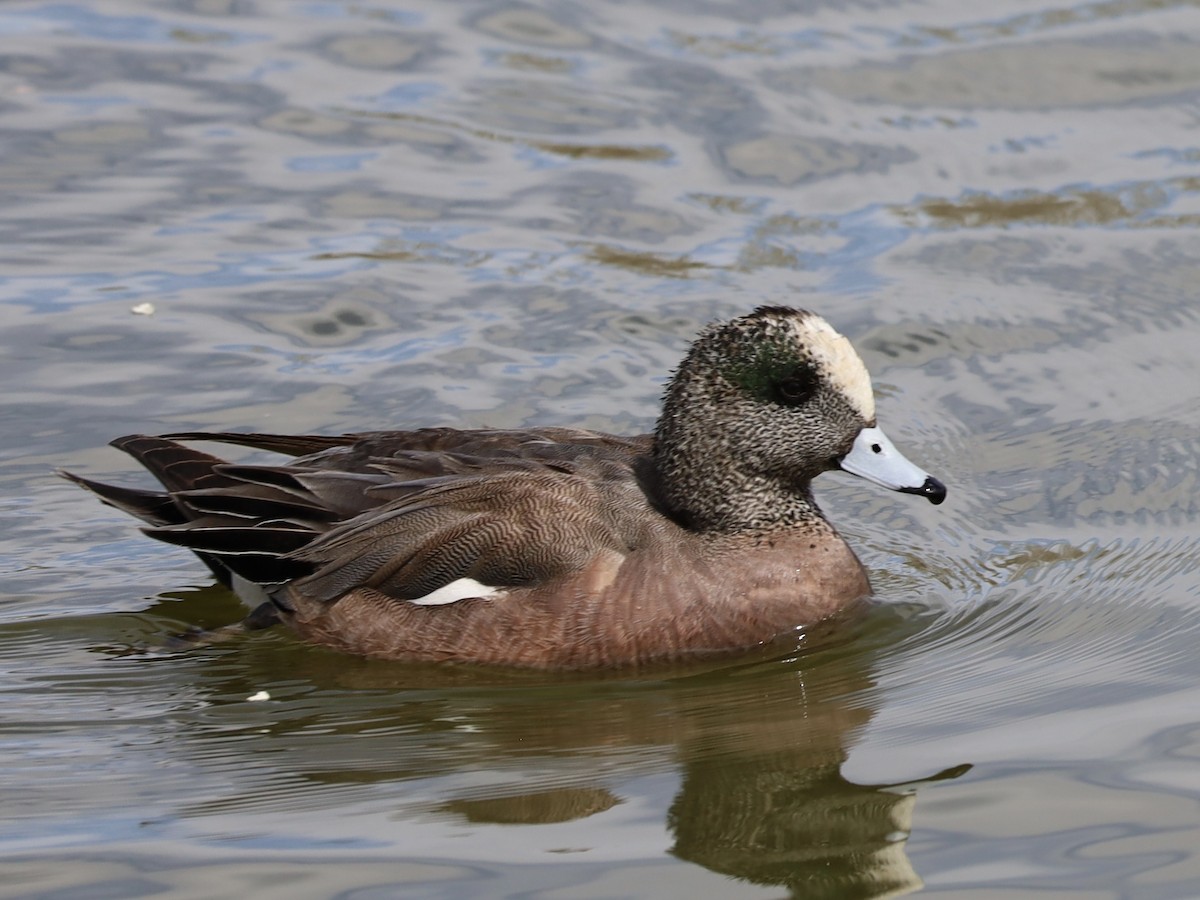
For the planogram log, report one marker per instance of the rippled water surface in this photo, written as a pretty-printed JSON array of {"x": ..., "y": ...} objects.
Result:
[{"x": 328, "y": 216}]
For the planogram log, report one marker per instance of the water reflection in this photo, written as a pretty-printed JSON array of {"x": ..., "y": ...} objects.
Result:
[{"x": 758, "y": 747}]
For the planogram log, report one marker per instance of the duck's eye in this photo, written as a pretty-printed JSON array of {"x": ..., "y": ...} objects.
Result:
[{"x": 796, "y": 387}]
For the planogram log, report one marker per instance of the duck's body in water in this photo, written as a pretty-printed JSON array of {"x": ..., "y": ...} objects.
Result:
[{"x": 554, "y": 547}]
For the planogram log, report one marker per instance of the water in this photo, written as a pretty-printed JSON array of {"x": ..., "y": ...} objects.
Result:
[{"x": 355, "y": 216}]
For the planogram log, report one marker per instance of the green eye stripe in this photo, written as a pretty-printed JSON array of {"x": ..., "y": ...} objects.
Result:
[{"x": 760, "y": 372}]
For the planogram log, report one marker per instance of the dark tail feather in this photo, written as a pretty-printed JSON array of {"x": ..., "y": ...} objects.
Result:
[
  {"x": 232, "y": 540},
  {"x": 178, "y": 468},
  {"x": 152, "y": 507},
  {"x": 258, "y": 554},
  {"x": 254, "y": 502},
  {"x": 188, "y": 475},
  {"x": 287, "y": 444}
]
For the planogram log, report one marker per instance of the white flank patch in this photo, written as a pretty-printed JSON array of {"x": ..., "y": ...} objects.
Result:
[
  {"x": 841, "y": 363},
  {"x": 462, "y": 589}
]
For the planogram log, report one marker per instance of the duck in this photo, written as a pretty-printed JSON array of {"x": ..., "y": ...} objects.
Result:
[{"x": 552, "y": 547}]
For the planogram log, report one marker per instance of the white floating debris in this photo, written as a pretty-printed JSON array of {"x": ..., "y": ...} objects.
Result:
[
  {"x": 142, "y": 309},
  {"x": 261, "y": 695}
]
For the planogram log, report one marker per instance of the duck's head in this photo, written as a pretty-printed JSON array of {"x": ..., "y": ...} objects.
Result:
[{"x": 760, "y": 406}]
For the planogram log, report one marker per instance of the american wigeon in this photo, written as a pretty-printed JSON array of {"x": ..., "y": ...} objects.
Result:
[{"x": 554, "y": 547}]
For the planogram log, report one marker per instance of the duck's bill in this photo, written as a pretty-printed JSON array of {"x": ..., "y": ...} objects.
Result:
[{"x": 876, "y": 459}]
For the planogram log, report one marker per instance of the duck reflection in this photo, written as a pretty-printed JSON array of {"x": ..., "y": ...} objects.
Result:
[
  {"x": 762, "y": 797},
  {"x": 758, "y": 746},
  {"x": 775, "y": 818}
]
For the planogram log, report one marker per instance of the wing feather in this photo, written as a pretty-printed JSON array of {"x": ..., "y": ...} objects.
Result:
[{"x": 502, "y": 530}]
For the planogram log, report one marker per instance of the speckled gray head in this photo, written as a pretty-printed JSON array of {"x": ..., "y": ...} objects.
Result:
[{"x": 760, "y": 406}]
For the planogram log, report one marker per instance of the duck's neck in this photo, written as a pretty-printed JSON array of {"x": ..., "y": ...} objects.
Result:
[{"x": 707, "y": 488}]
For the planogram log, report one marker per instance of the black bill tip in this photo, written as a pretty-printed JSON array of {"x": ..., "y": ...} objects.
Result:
[{"x": 932, "y": 490}]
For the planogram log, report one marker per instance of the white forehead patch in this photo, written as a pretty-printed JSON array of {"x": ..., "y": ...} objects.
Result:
[{"x": 840, "y": 363}]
